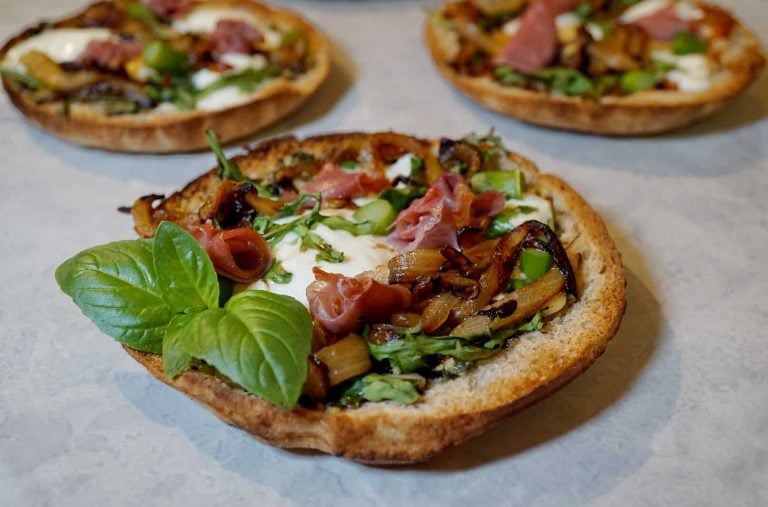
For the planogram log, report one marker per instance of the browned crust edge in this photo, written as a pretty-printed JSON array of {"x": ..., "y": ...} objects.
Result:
[
  {"x": 183, "y": 131},
  {"x": 644, "y": 113},
  {"x": 453, "y": 411}
]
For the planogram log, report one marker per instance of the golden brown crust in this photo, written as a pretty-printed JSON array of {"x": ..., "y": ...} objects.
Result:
[
  {"x": 451, "y": 411},
  {"x": 182, "y": 131},
  {"x": 644, "y": 113}
]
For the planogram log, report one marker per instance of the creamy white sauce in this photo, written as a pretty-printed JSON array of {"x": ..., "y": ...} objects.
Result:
[
  {"x": 543, "y": 212},
  {"x": 595, "y": 31},
  {"x": 226, "y": 97},
  {"x": 687, "y": 11},
  {"x": 642, "y": 10},
  {"x": 239, "y": 61},
  {"x": 203, "y": 19},
  {"x": 511, "y": 27},
  {"x": 692, "y": 73},
  {"x": 59, "y": 44},
  {"x": 231, "y": 95},
  {"x": 361, "y": 253},
  {"x": 401, "y": 167}
]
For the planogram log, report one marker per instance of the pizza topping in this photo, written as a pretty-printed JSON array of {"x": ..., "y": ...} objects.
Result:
[
  {"x": 241, "y": 254},
  {"x": 231, "y": 36},
  {"x": 332, "y": 182},
  {"x": 168, "y": 9},
  {"x": 185, "y": 56},
  {"x": 534, "y": 44},
  {"x": 338, "y": 302},
  {"x": 433, "y": 220},
  {"x": 108, "y": 55},
  {"x": 584, "y": 49},
  {"x": 663, "y": 24}
]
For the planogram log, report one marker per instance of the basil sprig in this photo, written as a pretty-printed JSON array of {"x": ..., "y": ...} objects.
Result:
[{"x": 162, "y": 296}]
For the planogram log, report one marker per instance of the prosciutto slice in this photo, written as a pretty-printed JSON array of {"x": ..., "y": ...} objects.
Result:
[
  {"x": 233, "y": 36},
  {"x": 534, "y": 45},
  {"x": 241, "y": 254},
  {"x": 108, "y": 55},
  {"x": 168, "y": 9},
  {"x": 432, "y": 220},
  {"x": 339, "y": 303},
  {"x": 335, "y": 183},
  {"x": 663, "y": 24}
]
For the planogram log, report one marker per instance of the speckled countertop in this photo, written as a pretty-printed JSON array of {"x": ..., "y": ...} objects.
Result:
[{"x": 674, "y": 413}]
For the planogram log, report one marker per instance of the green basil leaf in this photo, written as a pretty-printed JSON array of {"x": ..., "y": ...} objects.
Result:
[
  {"x": 185, "y": 273},
  {"x": 175, "y": 359},
  {"x": 115, "y": 285},
  {"x": 375, "y": 387},
  {"x": 260, "y": 341}
]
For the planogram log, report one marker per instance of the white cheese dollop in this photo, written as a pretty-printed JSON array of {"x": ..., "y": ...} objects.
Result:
[
  {"x": 543, "y": 210},
  {"x": 203, "y": 19},
  {"x": 239, "y": 61},
  {"x": 231, "y": 95},
  {"x": 687, "y": 11},
  {"x": 567, "y": 25},
  {"x": 692, "y": 73},
  {"x": 511, "y": 27},
  {"x": 401, "y": 167},
  {"x": 642, "y": 10},
  {"x": 361, "y": 253},
  {"x": 59, "y": 44}
]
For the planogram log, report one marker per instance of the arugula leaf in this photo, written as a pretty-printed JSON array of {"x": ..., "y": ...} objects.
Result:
[
  {"x": 246, "y": 80},
  {"x": 336, "y": 222},
  {"x": 401, "y": 198},
  {"x": 185, "y": 273},
  {"x": 175, "y": 359},
  {"x": 325, "y": 251},
  {"x": 116, "y": 286},
  {"x": 259, "y": 340},
  {"x": 411, "y": 353},
  {"x": 228, "y": 170},
  {"x": 23, "y": 79},
  {"x": 278, "y": 274},
  {"x": 375, "y": 387}
]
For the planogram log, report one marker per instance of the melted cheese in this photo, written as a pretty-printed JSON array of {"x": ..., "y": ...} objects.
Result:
[
  {"x": 402, "y": 167},
  {"x": 543, "y": 210},
  {"x": 59, "y": 44},
  {"x": 231, "y": 95},
  {"x": 203, "y": 19},
  {"x": 692, "y": 73},
  {"x": 361, "y": 253},
  {"x": 643, "y": 10}
]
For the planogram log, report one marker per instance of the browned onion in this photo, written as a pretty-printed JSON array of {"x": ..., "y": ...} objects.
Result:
[
  {"x": 409, "y": 266},
  {"x": 530, "y": 299},
  {"x": 437, "y": 311}
]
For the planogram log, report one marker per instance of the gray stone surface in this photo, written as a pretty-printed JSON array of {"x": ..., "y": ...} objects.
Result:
[{"x": 674, "y": 413}]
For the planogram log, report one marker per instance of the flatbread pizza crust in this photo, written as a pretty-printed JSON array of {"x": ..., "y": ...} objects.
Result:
[
  {"x": 644, "y": 113},
  {"x": 182, "y": 131},
  {"x": 533, "y": 366}
]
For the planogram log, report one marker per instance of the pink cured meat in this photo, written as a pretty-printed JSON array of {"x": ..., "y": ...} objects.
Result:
[
  {"x": 107, "y": 54},
  {"x": 232, "y": 36},
  {"x": 534, "y": 45},
  {"x": 663, "y": 24},
  {"x": 338, "y": 302},
  {"x": 168, "y": 9},
  {"x": 335, "y": 183},
  {"x": 431, "y": 221}
]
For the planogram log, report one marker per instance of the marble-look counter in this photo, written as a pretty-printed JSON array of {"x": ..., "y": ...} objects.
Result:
[{"x": 674, "y": 413}]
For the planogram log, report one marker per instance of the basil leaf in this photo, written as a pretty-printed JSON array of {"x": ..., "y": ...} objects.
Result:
[
  {"x": 175, "y": 359},
  {"x": 325, "y": 251},
  {"x": 259, "y": 340},
  {"x": 115, "y": 285},
  {"x": 185, "y": 273}
]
